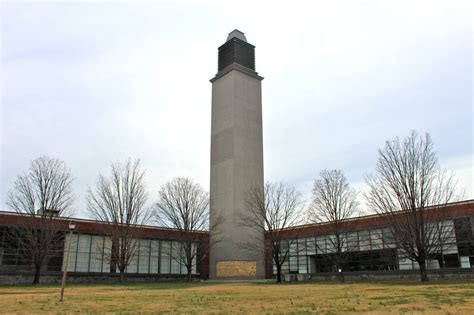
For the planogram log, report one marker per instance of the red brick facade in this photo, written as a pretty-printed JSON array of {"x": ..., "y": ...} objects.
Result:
[
  {"x": 453, "y": 210},
  {"x": 99, "y": 228}
]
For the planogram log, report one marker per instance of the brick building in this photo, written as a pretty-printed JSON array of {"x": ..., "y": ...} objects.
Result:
[
  {"x": 374, "y": 251},
  {"x": 309, "y": 253},
  {"x": 156, "y": 254}
]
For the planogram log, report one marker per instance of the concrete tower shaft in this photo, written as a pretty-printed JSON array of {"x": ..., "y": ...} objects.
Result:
[{"x": 236, "y": 158}]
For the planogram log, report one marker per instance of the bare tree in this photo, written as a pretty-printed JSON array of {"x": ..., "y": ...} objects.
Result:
[
  {"x": 42, "y": 194},
  {"x": 184, "y": 205},
  {"x": 119, "y": 200},
  {"x": 408, "y": 189},
  {"x": 334, "y": 202},
  {"x": 276, "y": 209}
]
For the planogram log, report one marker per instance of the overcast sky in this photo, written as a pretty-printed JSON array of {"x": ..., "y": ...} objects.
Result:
[{"x": 92, "y": 83}]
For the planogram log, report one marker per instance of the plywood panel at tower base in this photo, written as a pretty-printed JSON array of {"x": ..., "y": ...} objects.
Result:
[{"x": 236, "y": 268}]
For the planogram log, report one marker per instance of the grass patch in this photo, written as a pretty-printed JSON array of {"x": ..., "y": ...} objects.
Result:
[{"x": 394, "y": 297}]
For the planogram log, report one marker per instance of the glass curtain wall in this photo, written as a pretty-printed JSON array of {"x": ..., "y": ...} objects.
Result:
[
  {"x": 373, "y": 249},
  {"x": 91, "y": 253}
]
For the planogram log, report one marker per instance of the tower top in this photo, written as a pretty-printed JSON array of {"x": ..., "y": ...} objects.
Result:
[
  {"x": 237, "y": 34},
  {"x": 236, "y": 50}
]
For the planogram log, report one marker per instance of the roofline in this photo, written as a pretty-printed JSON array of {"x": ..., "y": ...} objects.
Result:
[
  {"x": 368, "y": 216},
  {"x": 153, "y": 227}
]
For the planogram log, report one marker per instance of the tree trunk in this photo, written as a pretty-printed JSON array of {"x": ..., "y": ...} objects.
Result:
[
  {"x": 341, "y": 277},
  {"x": 122, "y": 275},
  {"x": 423, "y": 273},
  {"x": 442, "y": 264},
  {"x": 37, "y": 274},
  {"x": 278, "y": 274},
  {"x": 188, "y": 278}
]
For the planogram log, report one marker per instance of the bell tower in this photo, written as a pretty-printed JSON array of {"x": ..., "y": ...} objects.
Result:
[{"x": 236, "y": 159}]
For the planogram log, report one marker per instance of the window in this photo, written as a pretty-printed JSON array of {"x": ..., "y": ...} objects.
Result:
[
  {"x": 284, "y": 248},
  {"x": 144, "y": 256},
  {"x": 83, "y": 252},
  {"x": 106, "y": 254},
  {"x": 293, "y": 263},
  {"x": 165, "y": 260},
  {"x": 311, "y": 246},
  {"x": 321, "y": 244},
  {"x": 176, "y": 257},
  {"x": 364, "y": 240},
  {"x": 154, "y": 256},
  {"x": 285, "y": 267},
  {"x": 97, "y": 246},
  {"x": 388, "y": 240},
  {"x": 194, "y": 263},
  {"x": 352, "y": 242},
  {"x": 331, "y": 243},
  {"x": 293, "y": 247},
  {"x": 302, "y": 264},
  {"x": 376, "y": 239},
  {"x": 302, "y": 247},
  {"x": 405, "y": 263},
  {"x": 134, "y": 252}
]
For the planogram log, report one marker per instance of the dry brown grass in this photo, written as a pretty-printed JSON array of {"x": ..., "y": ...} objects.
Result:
[{"x": 312, "y": 297}]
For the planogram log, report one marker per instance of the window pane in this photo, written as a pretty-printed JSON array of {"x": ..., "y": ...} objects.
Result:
[
  {"x": 83, "y": 253},
  {"x": 154, "y": 256},
  {"x": 107, "y": 254},
  {"x": 352, "y": 242},
  {"x": 176, "y": 258},
  {"x": 133, "y": 265},
  {"x": 293, "y": 247},
  {"x": 388, "y": 240},
  {"x": 321, "y": 244},
  {"x": 165, "y": 257},
  {"x": 448, "y": 232},
  {"x": 364, "y": 240},
  {"x": 405, "y": 264},
  {"x": 331, "y": 243},
  {"x": 72, "y": 255},
  {"x": 194, "y": 249},
  {"x": 376, "y": 239},
  {"x": 293, "y": 263},
  {"x": 284, "y": 248},
  {"x": 285, "y": 267},
  {"x": 302, "y": 246},
  {"x": 343, "y": 240},
  {"x": 302, "y": 264},
  {"x": 144, "y": 258},
  {"x": 96, "y": 253},
  {"x": 311, "y": 246}
]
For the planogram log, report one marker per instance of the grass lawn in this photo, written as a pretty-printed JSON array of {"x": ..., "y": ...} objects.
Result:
[{"x": 207, "y": 297}]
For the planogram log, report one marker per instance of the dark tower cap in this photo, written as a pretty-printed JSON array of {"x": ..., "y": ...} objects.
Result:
[{"x": 236, "y": 50}]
